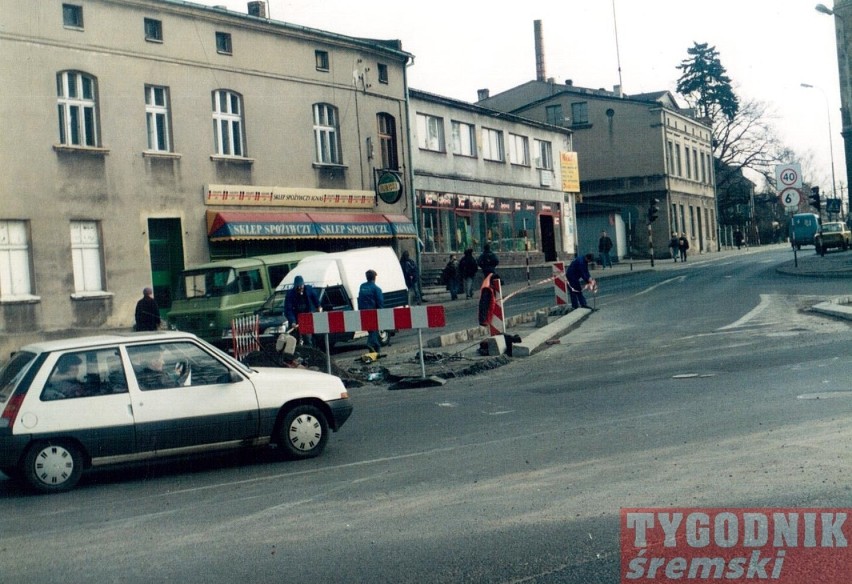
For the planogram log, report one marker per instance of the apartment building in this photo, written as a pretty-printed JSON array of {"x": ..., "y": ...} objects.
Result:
[
  {"x": 143, "y": 136},
  {"x": 486, "y": 177},
  {"x": 631, "y": 150}
]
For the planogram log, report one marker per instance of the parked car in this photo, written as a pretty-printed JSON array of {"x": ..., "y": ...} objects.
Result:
[
  {"x": 69, "y": 405},
  {"x": 834, "y": 234}
]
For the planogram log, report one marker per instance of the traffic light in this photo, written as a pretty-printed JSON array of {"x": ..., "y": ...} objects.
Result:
[
  {"x": 815, "y": 197},
  {"x": 653, "y": 210}
]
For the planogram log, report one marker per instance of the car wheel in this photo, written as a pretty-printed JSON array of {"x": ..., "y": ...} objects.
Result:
[
  {"x": 52, "y": 467},
  {"x": 303, "y": 432}
]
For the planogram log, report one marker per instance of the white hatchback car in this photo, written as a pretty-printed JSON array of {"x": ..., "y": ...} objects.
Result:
[{"x": 69, "y": 405}]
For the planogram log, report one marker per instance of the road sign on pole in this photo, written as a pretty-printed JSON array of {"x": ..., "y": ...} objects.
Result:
[
  {"x": 788, "y": 176},
  {"x": 790, "y": 197}
]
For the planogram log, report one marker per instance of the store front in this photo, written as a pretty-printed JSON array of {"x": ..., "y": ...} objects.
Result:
[{"x": 451, "y": 223}]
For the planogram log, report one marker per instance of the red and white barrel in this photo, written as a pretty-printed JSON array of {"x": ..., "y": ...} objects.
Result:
[{"x": 560, "y": 283}]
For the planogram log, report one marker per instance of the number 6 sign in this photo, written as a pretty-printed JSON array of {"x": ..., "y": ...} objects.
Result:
[{"x": 790, "y": 197}]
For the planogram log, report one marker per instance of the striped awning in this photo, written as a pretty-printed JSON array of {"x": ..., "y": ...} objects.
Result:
[{"x": 249, "y": 225}]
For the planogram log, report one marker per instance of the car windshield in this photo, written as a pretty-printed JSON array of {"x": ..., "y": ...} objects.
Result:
[
  {"x": 831, "y": 227},
  {"x": 274, "y": 304},
  {"x": 211, "y": 283},
  {"x": 12, "y": 371}
]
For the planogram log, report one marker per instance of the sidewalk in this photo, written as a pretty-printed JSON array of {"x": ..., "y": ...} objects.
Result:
[{"x": 452, "y": 354}]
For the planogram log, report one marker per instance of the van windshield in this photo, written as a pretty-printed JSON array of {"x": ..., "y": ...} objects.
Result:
[{"x": 211, "y": 283}]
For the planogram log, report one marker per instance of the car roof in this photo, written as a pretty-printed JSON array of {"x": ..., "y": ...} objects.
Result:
[{"x": 101, "y": 340}]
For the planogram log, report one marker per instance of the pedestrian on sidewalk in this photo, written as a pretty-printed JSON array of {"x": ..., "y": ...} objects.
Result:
[
  {"x": 577, "y": 274},
  {"x": 604, "y": 247},
  {"x": 683, "y": 246},
  {"x": 738, "y": 238},
  {"x": 487, "y": 260},
  {"x": 674, "y": 246},
  {"x": 370, "y": 296},
  {"x": 467, "y": 270},
  {"x": 412, "y": 278},
  {"x": 450, "y": 277},
  {"x": 147, "y": 312}
]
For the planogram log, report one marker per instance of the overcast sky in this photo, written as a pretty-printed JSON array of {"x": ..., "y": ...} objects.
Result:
[{"x": 769, "y": 47}]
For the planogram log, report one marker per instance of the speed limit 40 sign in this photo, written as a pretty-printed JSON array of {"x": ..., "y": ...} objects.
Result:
[{"x": 788, "y": 176}]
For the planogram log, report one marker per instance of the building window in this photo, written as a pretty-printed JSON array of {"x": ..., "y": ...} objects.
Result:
[
  {"x": 72, "y": 15},
  {"x": 430, "y": 133},
  {"x": 157, "y": 118},
  {"x": 228, "y": 123},
  {"x": 77, "y": 106},
  {"x": 326, "y": 134},
  {"x": 555, "y": 117},
  {"x": 153, "y": 30},
  {"x": 223, "y": 43},
  {"x": 678, "y": 165},
  {"x": 688, "y": 162},
  {"x": 544, "y": 154},
  {"x": 464, "y": 139},
  {"x": 383, "y": 73},
  {"x": 579, "y": 113},
  {"x": 387, "y": 141},
  {"x": 14, "y": 260},
  {"x": 86, "y": 256},
  {"x": 519, "y": 150},
  {"x": 492, "y": 145},
  {"x": 695, "y": 163},
  {"x": 322, "y": 60}
]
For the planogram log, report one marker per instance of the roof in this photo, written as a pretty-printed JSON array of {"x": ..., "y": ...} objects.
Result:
[
  {"x": 531, "y": 92},
  {"x": 102, "y": 340}
]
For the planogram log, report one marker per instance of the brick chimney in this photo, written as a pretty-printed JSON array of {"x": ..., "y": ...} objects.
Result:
[
  {"x": 482, "y": 94},
  {"x": 540, "y": 69}
]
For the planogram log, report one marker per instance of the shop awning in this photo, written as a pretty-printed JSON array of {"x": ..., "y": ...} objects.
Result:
[
  {"x": 349, "y": 225},
  {"x": 401, "y": 226},
  {"x": 246, "y": 225},
  {"x": 235, "y": 225}
]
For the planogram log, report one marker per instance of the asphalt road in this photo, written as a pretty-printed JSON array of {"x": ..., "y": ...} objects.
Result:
[{"x": 704, "y": 385}]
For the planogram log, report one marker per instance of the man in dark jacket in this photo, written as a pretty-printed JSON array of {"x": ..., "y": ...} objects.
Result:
[
  {"x": 147, "y": 312},
  {"x": 300, "y": 299},
  {"x": 604, "y": 247},
  {"x": 467, "y": 271},
  {"x": 487, "y": 260},
  {"x": 577, "y": 274},
  {"x": 370, "y": 296},
  {"x": 412, "y": 279}
]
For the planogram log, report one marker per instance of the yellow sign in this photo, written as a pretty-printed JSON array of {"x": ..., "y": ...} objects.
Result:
[
  {"x": 287, "y": 197},
  {"x": 570, "y": 172}
]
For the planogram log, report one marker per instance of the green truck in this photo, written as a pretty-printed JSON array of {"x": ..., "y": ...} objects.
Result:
[{"x": 211, "y": 295}]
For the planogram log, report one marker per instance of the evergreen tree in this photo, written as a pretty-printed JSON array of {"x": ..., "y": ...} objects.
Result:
[{"x": 705, "y": 85}]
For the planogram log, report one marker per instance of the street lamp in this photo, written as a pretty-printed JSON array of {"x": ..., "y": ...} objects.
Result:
[
  {"x": 824, "y": 9},
  {"x": 828, "y": 117}
]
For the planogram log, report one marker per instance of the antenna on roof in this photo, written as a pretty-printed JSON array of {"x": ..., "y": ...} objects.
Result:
[{"x": 617, "y": 52}]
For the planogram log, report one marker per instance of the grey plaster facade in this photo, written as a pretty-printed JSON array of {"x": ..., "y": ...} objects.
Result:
[{"x": 89, "y": 183}]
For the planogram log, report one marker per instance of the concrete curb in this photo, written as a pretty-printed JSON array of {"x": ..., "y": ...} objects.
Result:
[
  {"x": 557, "y": 328},
  {"x": 838, "y": 308}
]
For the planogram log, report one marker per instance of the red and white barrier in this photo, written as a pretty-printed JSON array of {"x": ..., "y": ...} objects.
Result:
[
  {"x": 560, "y": 283},
  {"x": 350, "y": 321},
  {"x": 496, "y": 322},
  {"x": 245, "y": 331}
]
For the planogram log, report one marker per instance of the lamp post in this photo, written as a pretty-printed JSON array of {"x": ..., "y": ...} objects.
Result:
[{"x": 830, "y": 141}]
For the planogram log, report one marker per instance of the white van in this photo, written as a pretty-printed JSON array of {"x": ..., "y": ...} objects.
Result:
[{"x": 336, "y": 277}]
